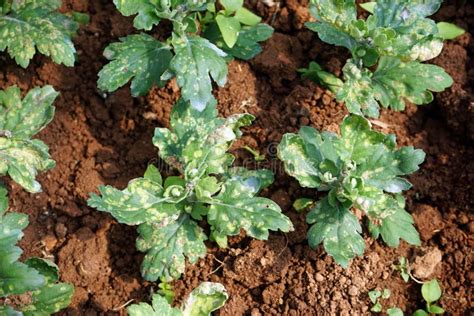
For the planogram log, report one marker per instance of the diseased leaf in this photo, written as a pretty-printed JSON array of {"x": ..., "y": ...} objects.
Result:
[
  {"x": 31, "y": 25},
  {"x": 143, "y": 200},
  {"x": 22, "y": 157},
  {"x": 167, "y": 244},
  {"x": 159, "y": 307},
  {"x": 337, "y": 229},
  {"x": 362, "y": 168},
  {"x": 236, "y": 207},
  {"x": 140, "y": 58},
  {"x": 145, "y": 9},
  {"x": 203, "y": 300},
  {"x": 199, "y": 140},
  {"x": 196, "y": 61},
  {"x": 49, "y": 299}
]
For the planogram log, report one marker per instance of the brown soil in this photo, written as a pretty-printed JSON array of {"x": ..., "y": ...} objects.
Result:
[{"x": 99, "y": 139}]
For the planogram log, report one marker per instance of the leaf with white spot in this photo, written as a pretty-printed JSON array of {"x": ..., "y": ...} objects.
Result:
[
  {"x": 143, "y": 200},
  {"x": 196, "y": 61},
  {"x": 34, "y": 24},
  {"x": 236, "y": 207},
  {"x": 361, "y": 168},
  {"x": 21, "y": 156},
  {"x": 49, "y": 299},
  {"x": 392, "y": 84},
  {"x": 140, "y": 57},
  {"x": 202, "y": 301},
  {"x": 338, "y": 229},
  {"x": 199, "y": 139},
  {"x": 167, "y": 244}
]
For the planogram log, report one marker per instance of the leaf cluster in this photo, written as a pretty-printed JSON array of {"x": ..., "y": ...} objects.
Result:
[
  {"x": 168, "y": 210},
  {"x": 30, "y": 25},
  {"x": 202, "y": 301},
  {"x": 196, "y": 61},
  {"x": 36, "y": 278},
  {"x": 362, "y": 169},
  {"x": 21, "y": 157},
  {"x": 387, "y": 50}
]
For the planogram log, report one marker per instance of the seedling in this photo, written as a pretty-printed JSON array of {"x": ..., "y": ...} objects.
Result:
[
  {"x": 431, "y": 292},
  {"x": 202, "y": 301},
  {"x": 167, "y": 211},
  {"x": 404, "y": 268},
  {"x": 375, "y": 296},
  {"x": 387, "y": 49},
  {"x": 20, "y": 120},
  {"x": 29, "y": 25},
  {"x": 166, "y": 291},
  {"x": 36, "y": 279},
  {"x": 362, "y": 170},
  {"x": 192, "y": 59},
  {"x": 255, "y": 153}
]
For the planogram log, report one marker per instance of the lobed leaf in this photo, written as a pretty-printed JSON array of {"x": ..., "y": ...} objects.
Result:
[
  {"x": 196, "y": 61},
  {"x": 32, "y": 25},
  {"x": 140, "y": 58},
  {"x": 167, "y": 244},
  {"x": 236, "y": 207}
]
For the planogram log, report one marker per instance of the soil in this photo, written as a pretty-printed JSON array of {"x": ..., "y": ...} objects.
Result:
[{"x": 106, "y": 139}]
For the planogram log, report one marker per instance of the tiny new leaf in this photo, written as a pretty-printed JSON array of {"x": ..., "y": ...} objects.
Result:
[
  {"x": 21, "y": 156},
  {"x": 36, "y": 24},
  {"x": 360, "y": 169},
  {"x": 202, "y": 301},
  {"x": 166, "y": 211}
]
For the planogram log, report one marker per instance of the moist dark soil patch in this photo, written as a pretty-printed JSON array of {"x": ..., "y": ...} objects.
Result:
[{"x": 106, "y": 139}]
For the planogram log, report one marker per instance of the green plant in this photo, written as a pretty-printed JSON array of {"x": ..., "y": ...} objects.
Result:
[
  {"x": 361, "y": 170},
  {"x": 34, "y": 282},
  {"x": 387, "y": 49},
  {"x": 375, "y": 296},
  {"x": 404, "y": 268},
  {"x": 203, "y": 300},
  {"x": 20, "y": 156},
  {"x": 431, "y": 292},
  {"x": 167, "y": 211},
  {"x": 27, "y": 24},
  {"x": 192, "y": 59}
]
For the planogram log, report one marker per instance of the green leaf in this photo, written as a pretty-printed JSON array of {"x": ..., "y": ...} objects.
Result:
[
  {"x": 420, "y": 312},
  {"x": 202, "y": 301},
  {"x": 230, "y": 28},
  {"x": 232, "y": 5},
  {"x": 145, "y": 9},
  {"x": 374, "y": 296},
  {"x": 140, "y": 57},
  {"x": 8, "y": 311},
  {"x": 302, "y": 204},
  {"x": 196, "y": 60},
  {"x": 435, "y": 309},
  {"x": 143, "y": 200},
  {"x": 32, "y": 25},
  {"x": 264, "y": 177},
  {"x": 152, "y": 173},
  {"x": 394, "y": 311},
  {"x": 368, "y": 6},
  {"x": 431, "y": 291},
  {"x": 377, "y": 308},
  {"x": 159, "y": 307},
  {"x": 22, "y": 157},
  {"x": 338, "y": 229},
  {"x": 449, "y": 31},
  {"x": 167, "y": 244},
  {"x": 49, "y": 299},
  {"x": 199, "y": 140},
  {"x": 247, "y": 17},
  {"x": 315, "y": 73},
  {"x": 236, "y": 207}
]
